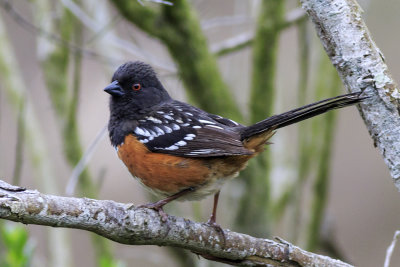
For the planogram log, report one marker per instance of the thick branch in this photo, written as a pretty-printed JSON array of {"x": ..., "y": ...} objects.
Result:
[
  {"x": 361, "y": 65},
  {"x": 126, "y": 224}
]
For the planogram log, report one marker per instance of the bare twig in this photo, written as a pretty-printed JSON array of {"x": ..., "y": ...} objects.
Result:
[
  {"x": 390, "y": 249},
  {"x": 77, "y": 171},
  {"x": 113, "y": 39},
  {"x": 361, "y": 66},
  {"x": 168, "y": 3},
  {"x": 24, "y": 23},
  {"x": 126, "y": 224},
  {"x": 245, "y": 39},
  {"x": 225, "y": 21},
  {"x": 233, "y": 44},
  {"x": 19, "y": 149}
]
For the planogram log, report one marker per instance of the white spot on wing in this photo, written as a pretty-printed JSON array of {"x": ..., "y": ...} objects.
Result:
[
  {"x": 189, "y": 137},
  {"x": 188, "y": 113},
  {"x": 206, "y": 122},
  {"x": 140, "y": 131},
  {"x": 175, "y": 127},
  {"x": 152, "y": 133},
  {"x": 158, "y": 131},
  {"x": 168, "y": 117},
  {"x": 160, "y": 112},
  {"x": 215, "y": 126},
  {"x": 153, "y": 119},
  {"x": 234, "y": 122},
  {"x": 144, "y": 141},
  {"x": 167, "y": 129},
  {"x": 181, "y": 143},
  {"x": 179, "y": 121},
  {"x": 173, "y": 147},
  {"x": 201, "y": 151}
]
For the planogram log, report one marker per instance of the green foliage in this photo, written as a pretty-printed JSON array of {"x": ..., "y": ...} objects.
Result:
[
  {"x": 17, "y": 250},
  {"x": 106, "y": 261}
]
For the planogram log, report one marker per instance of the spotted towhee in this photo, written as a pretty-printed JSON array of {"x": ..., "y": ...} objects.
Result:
[{"x": 180, "y": 151}]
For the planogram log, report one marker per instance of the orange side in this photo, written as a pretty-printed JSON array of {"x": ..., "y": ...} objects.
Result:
[{"x": 167, "y": 173}]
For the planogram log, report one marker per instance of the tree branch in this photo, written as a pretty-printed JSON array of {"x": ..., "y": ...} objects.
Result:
[
  {"x": 361, "y": 66},
  {"x": 246, "y": 39},
  {"x": 126, "y": 224}
]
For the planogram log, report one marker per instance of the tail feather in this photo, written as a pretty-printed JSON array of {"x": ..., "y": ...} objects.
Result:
[{"x": 302, "y": 113}]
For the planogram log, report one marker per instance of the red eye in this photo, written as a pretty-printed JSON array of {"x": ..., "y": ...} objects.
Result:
[{"x": 136, "y": 87}]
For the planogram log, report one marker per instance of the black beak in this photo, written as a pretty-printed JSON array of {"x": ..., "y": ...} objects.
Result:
[{"x": 114, "y": 89}]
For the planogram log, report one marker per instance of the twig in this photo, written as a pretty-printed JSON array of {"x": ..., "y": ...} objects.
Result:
[
  {"x": 294, "y": 17},
  {"x": 73, "y": 179},
  {"x": 361, "y": 65},
  {"x": 225, "y": 21},
  {"x": 168, "y": 3},
  {"x": 126, "y": 224},
  {"x": 125, "y": 45},
  {"x": 20, "y": 142},
  {"x": 232, "y": 44},
  {"x": 24, "y": 23},
  {"x": 390, "y": 249},
  {"x": 245, "y": 39}
]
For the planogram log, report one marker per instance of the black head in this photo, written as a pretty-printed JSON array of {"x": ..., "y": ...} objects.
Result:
[{"x": 134, "y": 89}]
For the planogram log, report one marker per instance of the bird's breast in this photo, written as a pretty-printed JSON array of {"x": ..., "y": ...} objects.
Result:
[{"x": 166, "y": 174}]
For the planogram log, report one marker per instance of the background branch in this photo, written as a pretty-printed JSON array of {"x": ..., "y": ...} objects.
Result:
[
  {"x": 361, "y": 66},
  {"x": 125, "y": 224}
]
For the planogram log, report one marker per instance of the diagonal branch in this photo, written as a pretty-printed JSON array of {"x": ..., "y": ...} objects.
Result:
[
  {"x": 361, "y": 66},
  {"x": 126, "y": 224},
  {"x": 246, "y": 39}
]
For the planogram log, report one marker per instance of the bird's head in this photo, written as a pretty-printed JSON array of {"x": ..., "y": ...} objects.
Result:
[{"x": 135, "y": 88}]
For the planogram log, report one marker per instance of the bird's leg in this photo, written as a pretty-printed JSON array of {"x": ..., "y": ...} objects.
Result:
[
  {"x": 213, "y": 218},
  {"x": 158, "y": 205}
]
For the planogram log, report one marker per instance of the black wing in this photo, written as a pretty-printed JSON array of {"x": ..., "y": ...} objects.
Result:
[{"x": 179, "y": 129}]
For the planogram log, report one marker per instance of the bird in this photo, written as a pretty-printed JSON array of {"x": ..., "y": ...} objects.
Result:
[{"x": 182, "y": 152}]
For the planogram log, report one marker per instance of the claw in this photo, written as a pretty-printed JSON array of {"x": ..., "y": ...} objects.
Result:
[
  {"x": 217, "y": 228},
  {"x": 157, "y": 206}
]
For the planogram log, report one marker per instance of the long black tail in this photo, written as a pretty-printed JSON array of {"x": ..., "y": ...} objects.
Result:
[{"x": 302, "y": 113}]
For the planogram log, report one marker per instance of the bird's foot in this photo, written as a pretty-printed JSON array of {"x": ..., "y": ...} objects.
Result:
[
  {"x": 157, "y": 206},
  {"x": 211, "y": 222}
]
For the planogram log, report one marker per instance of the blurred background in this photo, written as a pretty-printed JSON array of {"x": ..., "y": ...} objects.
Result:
[{"x": 321, "y": 185}]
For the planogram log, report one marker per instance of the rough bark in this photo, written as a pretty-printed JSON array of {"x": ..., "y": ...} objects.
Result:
[
  {"x": 361, "y": 66},
  {"x": 126, "y": 224}
]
